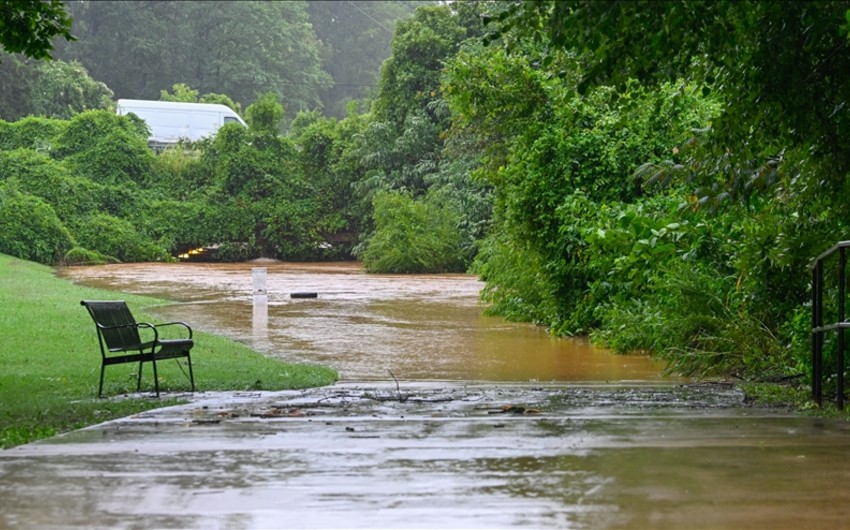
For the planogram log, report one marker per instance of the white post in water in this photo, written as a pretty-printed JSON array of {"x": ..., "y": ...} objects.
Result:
[
  {"x": 261, "y": 303},
  {"x": 259, "y": 275}
]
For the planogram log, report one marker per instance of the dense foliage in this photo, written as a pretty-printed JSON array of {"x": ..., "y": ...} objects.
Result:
[
  {"x": 310, "y": 54},
  {"x": 700, "y": 251},
  {"x": 244, "y": 192},
  {"x": 55, "y": 89},
  {"x": 655, "y": 174},
  {"x": 31, "y": 27},
  {"x": 413, "y": 236}
]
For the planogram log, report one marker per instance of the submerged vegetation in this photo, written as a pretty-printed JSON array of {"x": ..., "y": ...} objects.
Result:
[{"x": 659, "y": 183}]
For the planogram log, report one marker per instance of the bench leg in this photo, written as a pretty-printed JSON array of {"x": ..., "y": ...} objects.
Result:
[
  {"x": 139, "y": 379},
  {"x": 100, "y": 388},
  {"x": 155, "y": 378},
  {"x": 191, "y": 375}
]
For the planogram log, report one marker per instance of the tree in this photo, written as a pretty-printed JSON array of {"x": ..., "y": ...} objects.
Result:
[
  {"x": 355, "y": 39},
  {"x": 236, "y": 48},
  {"x": 61, "y": 90},
  {"x": 783, "y": 69},
  {"x": 54, "y": 89},
  {"x": 704, "y": 259},
  {"x": 16, "y": 77},
  {"x": 410, "y": 78},
  {"x": 30, "y": 27},
  {"x": 265, "y": 114},
  {"x": 179, "y": 92},
  {"x": 186, "y": 94}
]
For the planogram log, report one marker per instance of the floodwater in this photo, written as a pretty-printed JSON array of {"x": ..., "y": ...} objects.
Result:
[
  {"x": 581, "y": 438},
  {"x": 448, "y": 455},
  {"x": 415, "y": 327}
]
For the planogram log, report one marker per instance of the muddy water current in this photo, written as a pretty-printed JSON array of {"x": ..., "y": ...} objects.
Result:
[
  {"x": 366, "y": 326},
  {"x": 551, "y": 433}
]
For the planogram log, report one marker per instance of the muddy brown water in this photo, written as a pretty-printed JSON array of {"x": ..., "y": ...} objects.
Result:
[
  {"x": 580, "y": 439},
  {"x": 366, "y": 326}
]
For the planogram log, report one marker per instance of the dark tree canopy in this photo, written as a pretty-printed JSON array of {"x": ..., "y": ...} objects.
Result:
[
  {"x": 30, "y": 27},
  {"x": 783, "y": 67},
  {"x": 241, "y": 49}
]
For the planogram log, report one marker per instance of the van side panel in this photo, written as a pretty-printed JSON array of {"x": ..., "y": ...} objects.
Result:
[{"x": 171, "y": 121}]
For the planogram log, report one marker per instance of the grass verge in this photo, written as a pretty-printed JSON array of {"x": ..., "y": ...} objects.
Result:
[{"x": 50, "y": 360}]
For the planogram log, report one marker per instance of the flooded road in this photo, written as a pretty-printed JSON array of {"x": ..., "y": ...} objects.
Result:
[
  {"x": 447, "y": 455},
  {"x": 366, "y": 326},
  {"x": 583, "y": 439}
]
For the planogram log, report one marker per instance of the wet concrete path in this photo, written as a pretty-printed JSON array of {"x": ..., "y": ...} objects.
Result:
[{"x": 440, "y": 455}]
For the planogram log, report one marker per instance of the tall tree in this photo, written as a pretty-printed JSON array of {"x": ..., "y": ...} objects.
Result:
[
  {"x": 355, "y": 37},
  {"x": 55, "y": 89},
  {"x": 410, "y": 79},
  {"x": 240, "y": 49}
]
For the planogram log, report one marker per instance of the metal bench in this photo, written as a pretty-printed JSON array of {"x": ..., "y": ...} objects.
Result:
[{"x": 121, "y": 341}]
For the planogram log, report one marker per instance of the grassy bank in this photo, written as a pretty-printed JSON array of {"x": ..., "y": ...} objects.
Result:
[{"x": 50, "y": 361}]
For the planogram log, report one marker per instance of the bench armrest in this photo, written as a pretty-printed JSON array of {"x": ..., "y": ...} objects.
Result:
[{"x": 185, "y": 325}]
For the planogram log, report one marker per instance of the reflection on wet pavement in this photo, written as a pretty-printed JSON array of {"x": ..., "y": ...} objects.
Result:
[{"x": 448, "y": 455}]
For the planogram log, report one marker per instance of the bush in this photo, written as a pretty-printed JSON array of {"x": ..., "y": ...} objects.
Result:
[
  {"x": 233, "y": 252},
  {"x": 179, "y": 225},
  {"x": 119, "y": 239},
  {"x": 81, "y": 256},
  {"x": 517, "y": 287},
  {"x": 291, "y": 229},
  {"x": 40, "y": 175},
  {"x": 265, "y": 114},
  {"x": 30, "y": 229},
  {"x": 698, "y": 321},
  {"x": 106, "y": 148},
  {"x": 39, "y": 134},
  {"x": 413, "y": 236},
  {"x": 178, "y": 172}
]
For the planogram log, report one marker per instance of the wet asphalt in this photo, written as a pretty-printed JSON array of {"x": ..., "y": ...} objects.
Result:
[{"x": 439, "y": 455}]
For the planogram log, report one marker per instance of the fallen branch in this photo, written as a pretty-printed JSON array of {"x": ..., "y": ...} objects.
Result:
[{"x": 401, "y": 398}]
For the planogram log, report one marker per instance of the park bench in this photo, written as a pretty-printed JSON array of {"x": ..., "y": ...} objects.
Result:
[{"x": 120, "y": 338}]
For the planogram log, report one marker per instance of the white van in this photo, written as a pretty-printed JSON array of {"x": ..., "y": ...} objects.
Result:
[{"x": 170, "y": 121}]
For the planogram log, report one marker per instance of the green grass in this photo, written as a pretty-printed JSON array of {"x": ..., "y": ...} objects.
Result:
[{"x": 50, "y": 360}]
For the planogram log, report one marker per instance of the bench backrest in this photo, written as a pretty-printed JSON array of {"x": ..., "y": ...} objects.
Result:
[{"x": 107, "y": 315}]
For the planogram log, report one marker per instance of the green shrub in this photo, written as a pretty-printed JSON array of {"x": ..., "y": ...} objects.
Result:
[
  {"x": 413, "y": 236},
  {"x": 179, "y": 225},
  {"x": 82, "y": 256},
  {"x": 44, "y": 177},
  {"x": 178, "y": 172},
  {"x": 291, "y": 229},
  {"x": 233, "y": 252},
  {"x": 118, "y": 238},
  {"x": 38, "y": 134},
  {"x": 265, "y": 114},
  {"x": 697, "y": 319},
  {"x": 30, "y": 229},
  {"x": 106, "y": 148},
  {"x": 517, "y": 287}
]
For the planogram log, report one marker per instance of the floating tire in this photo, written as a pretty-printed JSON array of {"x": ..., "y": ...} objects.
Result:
[{"x": 304, "y": 295}]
